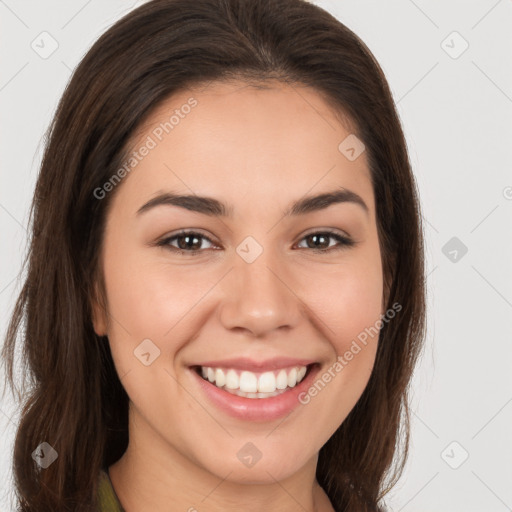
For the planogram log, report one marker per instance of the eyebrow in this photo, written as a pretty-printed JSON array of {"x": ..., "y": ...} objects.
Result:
[{"x": 214, "y": 208}]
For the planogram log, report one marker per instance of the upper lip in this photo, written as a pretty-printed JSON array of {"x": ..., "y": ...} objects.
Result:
[{"x": 245, "y": 363}]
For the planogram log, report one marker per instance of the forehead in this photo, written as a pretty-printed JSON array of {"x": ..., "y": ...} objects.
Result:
[{"x": 237, "y": 141}]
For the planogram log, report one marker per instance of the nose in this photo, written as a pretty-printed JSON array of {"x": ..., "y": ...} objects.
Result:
[{"x": 259, "y": 297}]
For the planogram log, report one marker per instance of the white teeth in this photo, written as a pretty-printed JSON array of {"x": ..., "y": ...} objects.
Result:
[
  {"x": 248, "y": 382},
  {"x": 220, "y": 377},
  {"x": 253, "y": 395},
  {"x": 254, "y": 385},
  {"x": 267, "y": 382},
  {"x": 282, "y": 380},
  {"x": 232, "y": 381},
  {"x": 292, "y": 378},
  {"x": 300, "y": 373}
]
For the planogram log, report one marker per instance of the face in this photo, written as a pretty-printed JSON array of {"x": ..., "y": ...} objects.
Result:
[{"x": 243, "y": 289}]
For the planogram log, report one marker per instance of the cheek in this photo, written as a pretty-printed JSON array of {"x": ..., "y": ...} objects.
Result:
[
  {"x": 151, "y": 299},
  {"x": 148, "y": 296},
  {"x": 347, "y": 298},
  {"x": 356, "y": 308}
]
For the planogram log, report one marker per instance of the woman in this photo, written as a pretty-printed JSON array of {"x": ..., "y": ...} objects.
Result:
[{"x": 224, "y": 300}]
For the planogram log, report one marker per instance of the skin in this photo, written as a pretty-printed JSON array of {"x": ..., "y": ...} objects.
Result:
[{"x": 258, "y": 151}]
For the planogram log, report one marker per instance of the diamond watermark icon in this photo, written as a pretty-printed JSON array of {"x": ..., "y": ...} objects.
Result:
[
  {"x": 44, "y": 45},
  {"x": 44, "y": 455},
  {"x": 454, "y": 455},
  {"x": 249, "y": 249},
  {"x": 454, "y": 45},
  {"x": 249, "y": 455},
  {"x": 351, "y": 147},
  {"x": 454, "y": 249},
  {"x": 146, "y": 352}
]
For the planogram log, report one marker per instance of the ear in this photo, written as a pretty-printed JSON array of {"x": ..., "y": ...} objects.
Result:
[{"x": 99, "y": 313}]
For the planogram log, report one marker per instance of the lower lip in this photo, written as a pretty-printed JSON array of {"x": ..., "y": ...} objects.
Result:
[{"x": 256, "y": 409}]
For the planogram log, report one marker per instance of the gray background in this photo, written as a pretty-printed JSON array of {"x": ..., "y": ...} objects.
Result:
[{"x": 456, "y": 111}]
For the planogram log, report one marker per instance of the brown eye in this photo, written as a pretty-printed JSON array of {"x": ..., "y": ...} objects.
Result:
[
  {"x": 187, "y": 242},
  {"x": 319, "y": 241},
  {"x": 190, "y": 242}
]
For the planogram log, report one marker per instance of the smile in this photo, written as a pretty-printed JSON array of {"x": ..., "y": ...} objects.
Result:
[
  {"x": 253, "y": 391},
  {"x": 254, "y": 385}
]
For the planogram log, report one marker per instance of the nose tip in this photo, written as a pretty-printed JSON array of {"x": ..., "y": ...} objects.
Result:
[{"x": 258, "y": 299}]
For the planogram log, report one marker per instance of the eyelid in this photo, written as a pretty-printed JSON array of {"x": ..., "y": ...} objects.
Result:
[
  {"x": 332, "y": 231},
  {"x": 344, "y": 241},
  {"x": 166, "y": 239}
]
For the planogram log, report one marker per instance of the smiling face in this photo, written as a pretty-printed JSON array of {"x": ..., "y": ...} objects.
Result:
[{"x": 254, "y": 292}]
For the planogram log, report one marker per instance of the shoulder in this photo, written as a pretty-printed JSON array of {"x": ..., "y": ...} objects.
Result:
[{"x": 107, "y": 499}]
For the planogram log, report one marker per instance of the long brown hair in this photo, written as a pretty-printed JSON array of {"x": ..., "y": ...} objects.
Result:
[{"x": 72, "y": 397}]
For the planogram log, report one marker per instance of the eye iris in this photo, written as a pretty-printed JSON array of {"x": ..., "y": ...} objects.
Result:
[
  {"x": 317, "y": 236},
  {"x": 190, "y": 242},
  {"x": 187, "y": 239}
]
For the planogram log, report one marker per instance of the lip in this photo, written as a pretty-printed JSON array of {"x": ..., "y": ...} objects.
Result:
[
  {"x": 255, "y": 409},
  {"x": 245, "y": 363}
]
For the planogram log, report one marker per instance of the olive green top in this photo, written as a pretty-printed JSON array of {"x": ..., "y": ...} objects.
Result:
[{"x": 107, "y": 499}]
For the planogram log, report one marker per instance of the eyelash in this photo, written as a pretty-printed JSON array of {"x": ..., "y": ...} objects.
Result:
[{"x": 344, "y": 242}]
